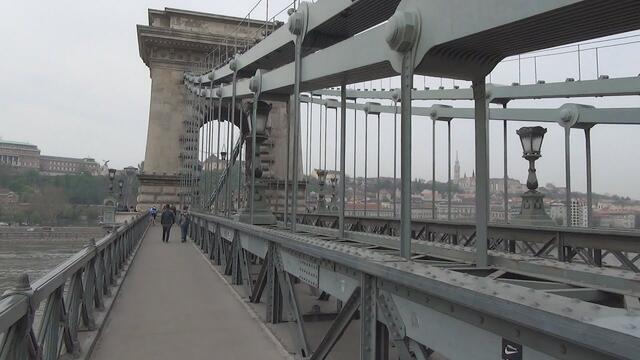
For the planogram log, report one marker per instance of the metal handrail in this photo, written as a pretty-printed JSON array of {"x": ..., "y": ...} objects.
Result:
[
  {"x": 620, "y": 243},
  {"x": 408, "y": 279},
  {"x": 73, "y": 291}
]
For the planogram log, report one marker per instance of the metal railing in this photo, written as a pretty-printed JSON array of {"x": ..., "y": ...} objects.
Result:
[
  {"x": 367, "y": 275},
  {"x": 76, "y": 295},
  {"x": 619, "y": 248}
]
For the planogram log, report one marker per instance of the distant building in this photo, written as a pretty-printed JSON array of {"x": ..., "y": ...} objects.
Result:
[
  {"x": 19, "y": 154},
  {"x": 615, "y": 219},
  {"x": 8, "y": 197},
  {"x": 428, "y": 194},
  {"x": 556, "y": 211},
  {"x": 214, "y": 163},
  {"x": 496, "y": 185},
  {"x": 579, "y": 214},
  {"x": 25, "y": 155},
  {"x": 514, "y": 187},
  {"x": 56, "y": 165},
  {"x": 468, "y": 184}
]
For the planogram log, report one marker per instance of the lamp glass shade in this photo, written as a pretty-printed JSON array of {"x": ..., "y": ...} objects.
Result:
[
  {"x": 526, "y": 144},
  {"x": 536, "y": 142},
  {"x": 531, "y": 139},
  {"x": 112, "y": 174},
  {"x": 261, "y": 123}
]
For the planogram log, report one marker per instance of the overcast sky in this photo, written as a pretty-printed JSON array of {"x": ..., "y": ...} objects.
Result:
[{"x": 74, "y": 84}]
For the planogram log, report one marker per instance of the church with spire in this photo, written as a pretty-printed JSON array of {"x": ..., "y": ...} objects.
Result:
[
  {"x": 467, "y": 184},
  {"x": 456, "y": 170}
]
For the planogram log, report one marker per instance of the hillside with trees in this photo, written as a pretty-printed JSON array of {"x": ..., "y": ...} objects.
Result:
[{"x": 73, "y": 199}]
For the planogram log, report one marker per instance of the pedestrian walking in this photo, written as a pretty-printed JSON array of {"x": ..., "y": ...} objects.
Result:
[
  {"x": 154, "y": 213},
  {"x": 184, "y": 222},
  {"x": 167, "y": 219}
]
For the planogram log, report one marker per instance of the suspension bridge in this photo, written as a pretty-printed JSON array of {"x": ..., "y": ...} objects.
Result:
[{"x": 244, "y": 113}]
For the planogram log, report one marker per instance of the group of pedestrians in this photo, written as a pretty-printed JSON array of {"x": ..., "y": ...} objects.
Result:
[{"x": 168, "y": 217}]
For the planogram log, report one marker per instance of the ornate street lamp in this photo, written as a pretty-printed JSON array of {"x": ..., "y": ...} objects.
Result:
[
  {"x": 322, "y": 180},
  {"x": 334, "y": 193},
  {"x": 109, "y": 204},
  {"x": 112, "y": 175},
  {"x": 120, "y": 186},
  {"x": 531, "y": 140},
  {"x": 532, "y": 210},
  {"x": 262, "y": 214}
]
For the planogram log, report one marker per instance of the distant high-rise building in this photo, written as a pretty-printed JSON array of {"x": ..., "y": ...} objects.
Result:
[
  {"x": 456, "y": 170},
  {"x": 579, "y": 215}
]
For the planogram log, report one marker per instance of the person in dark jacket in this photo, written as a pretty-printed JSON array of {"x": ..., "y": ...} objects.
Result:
[
  {"x": 184, "y": 222},
  {"x": 167, "y": 219}
]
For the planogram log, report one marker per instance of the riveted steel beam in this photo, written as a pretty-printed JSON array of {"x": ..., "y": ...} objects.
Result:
[{"x": 546, "y": 325}]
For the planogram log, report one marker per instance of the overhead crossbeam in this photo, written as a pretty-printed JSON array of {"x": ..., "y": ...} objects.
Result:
[
  {"x": 586, "y": 114},
  {"x": 439, "y": 42},
  {"x": 502, "y": 93}
]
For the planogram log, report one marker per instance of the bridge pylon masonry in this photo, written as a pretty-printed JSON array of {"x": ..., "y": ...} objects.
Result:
[{"x": 172, "y": 43}]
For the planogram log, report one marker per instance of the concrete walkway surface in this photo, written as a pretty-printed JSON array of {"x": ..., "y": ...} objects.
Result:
[{"x": 173, "y": 305}]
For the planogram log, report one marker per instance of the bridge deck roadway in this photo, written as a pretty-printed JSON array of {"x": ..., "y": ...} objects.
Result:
[{"x": 173, "y": 305}]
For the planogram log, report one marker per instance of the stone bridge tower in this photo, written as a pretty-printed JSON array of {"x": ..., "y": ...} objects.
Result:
[{"x": 173, "y": 42}]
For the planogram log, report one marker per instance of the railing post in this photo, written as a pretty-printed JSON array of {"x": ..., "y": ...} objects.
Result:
[
  {"x": 72, "y": 316},
  {"x": 89, "y": 295},
  {"x": 371, "y": 346},
  {"x": 19, "y": 342},
  {"x": 274, "y": 296},
  {"x": 236, "y": 272},
  {"x": 101, "y": 284}
]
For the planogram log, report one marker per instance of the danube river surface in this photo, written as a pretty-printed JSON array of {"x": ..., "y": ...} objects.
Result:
[{"x": 36, "y": 252}]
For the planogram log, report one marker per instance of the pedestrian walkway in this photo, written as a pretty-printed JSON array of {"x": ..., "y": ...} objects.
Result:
[{"x": 173, "y": 305}]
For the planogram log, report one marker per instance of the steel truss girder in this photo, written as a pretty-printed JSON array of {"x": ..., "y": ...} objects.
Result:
[
  {"x": 338, "y": 326},
  {"x": 611, "y": 280},
  {"x": 484, "y": 310},
  {"x": 561, "y": 238}
]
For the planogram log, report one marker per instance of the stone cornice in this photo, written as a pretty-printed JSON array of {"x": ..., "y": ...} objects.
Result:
[
  {"x": 176, "y": 45},
  {"x": 207, "y": 16}
]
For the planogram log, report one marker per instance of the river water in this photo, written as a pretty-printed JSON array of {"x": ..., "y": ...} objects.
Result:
[{"x": 37, "y": 254}]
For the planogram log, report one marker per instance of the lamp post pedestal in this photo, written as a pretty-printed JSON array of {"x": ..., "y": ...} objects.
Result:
[
  {"x": 262, "y": 214},
  {"x": 532, "y": 210}
]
